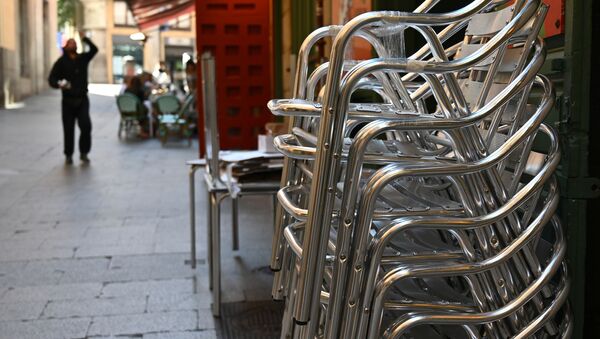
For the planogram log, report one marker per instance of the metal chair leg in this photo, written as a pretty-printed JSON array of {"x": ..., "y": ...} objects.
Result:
[
  {"x": 192, "y": 175},
  {"x": 216, "y": 254},
  {"x": 209, "y": 231},
  {"x": 235, "y": 224},
  {"x": 274, "y": 198}
]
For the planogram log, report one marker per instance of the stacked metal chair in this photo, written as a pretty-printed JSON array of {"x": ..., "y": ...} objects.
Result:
[{"x": 426, "y": 213}]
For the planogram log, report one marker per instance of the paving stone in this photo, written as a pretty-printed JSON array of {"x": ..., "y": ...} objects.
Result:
[
  {"x": 124, "y": 275},
  {"x": 51, "y": 233},
  {"x": 115, "y": 337},
  {"x": 12, "y": 267},
  {"x": 125, "y": 268},
  {"x": 173, "y": 246},
  {"x": 15, "y": 243},
  {"x": 164, "y": 261},
  {"x": 75, "y": 242},
  {"x": 184, "y": 301},
  {"x": 144, "y": 323},
  {"x": 95, "y": 307},
  {"x": 44, "y": 329},
  {"x": 50, "y": 272},
  {"x": 29, "y": 254},
  {"x": 205, "y": 319},
  {"x": 70, "y": 265},
  {"x": 141, "y": 221},
  {"x": 21, "y": 310},
  {"x": 122, "y": 234},
  {"x": 207, "y": 334},
  {"x": 52, "y": 292},
  {"x": 109, "y": 250},
  {"x": 174, "y": 286},
  {"x": 104, "y": 221},
  {"x": 29, "y": 278}
]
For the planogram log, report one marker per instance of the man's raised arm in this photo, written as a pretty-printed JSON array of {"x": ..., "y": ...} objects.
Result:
[{"x": 93, "y": 49}]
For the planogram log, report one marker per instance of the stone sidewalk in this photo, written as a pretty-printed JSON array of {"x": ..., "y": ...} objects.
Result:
[{"x": 98, "y": 251}]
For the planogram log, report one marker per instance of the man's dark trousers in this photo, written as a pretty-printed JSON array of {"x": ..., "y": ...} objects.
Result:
[{"x": 77, "y": 109}]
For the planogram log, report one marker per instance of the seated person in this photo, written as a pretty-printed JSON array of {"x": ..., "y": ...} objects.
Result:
[
  {"x": 136, "y": 88},
  {"x": 125, "y": 84},
  {"x": 147, "y": 83}
]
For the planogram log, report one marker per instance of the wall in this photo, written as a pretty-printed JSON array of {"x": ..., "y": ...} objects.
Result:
[
  {"x": 8, "y": 54},
  {"x": 111, "y": 30},
  {"x": 39, "y": 49},
  {"x": 154, "y": 48},
  {"x": 95, "y": 16}
]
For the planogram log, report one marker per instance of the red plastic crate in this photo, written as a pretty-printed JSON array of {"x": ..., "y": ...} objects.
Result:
[{"x": 238, "y": 34}]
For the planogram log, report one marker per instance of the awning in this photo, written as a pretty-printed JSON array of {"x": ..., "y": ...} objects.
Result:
[{"x": 149, "y": 13}]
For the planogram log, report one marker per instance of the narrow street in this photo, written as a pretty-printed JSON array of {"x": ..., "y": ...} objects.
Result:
[{"x": 99, "y": 251}]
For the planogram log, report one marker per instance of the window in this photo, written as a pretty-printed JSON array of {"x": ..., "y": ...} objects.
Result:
[
  {"x": 127, "y": 57},
  {"x": 122, "y": 15}
]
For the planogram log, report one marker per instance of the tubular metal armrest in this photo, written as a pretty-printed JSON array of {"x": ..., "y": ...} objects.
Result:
[
  {"x": 529, "y": 190},
  {"x": 311, "y": 109},
  {"x": 391, "y": 172},
  {"x": 411, "y": 320}
]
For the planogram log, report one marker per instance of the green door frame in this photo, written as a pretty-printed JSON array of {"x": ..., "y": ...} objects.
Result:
[
  {"x": 303, "y": 20},
  {"x": 276, "y": 34},
  {"x": 574, "y": 126}
]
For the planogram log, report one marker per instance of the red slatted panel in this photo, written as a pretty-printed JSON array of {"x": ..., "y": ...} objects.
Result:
[{"x": 237, "y": 32}]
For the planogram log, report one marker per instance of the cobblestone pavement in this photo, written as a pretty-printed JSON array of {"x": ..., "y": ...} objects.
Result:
[{"x": 98, "y": 251}]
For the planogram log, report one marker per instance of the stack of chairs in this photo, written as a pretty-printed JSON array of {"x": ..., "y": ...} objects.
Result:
[{"x": 428, "y": 212}]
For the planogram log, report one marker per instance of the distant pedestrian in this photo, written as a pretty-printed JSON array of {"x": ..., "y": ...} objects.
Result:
[
  {"x": 190, "y": 76},
  {"x": 70, "y": 74}
]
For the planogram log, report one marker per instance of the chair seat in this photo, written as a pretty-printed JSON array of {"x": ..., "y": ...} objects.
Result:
[
  {"x": 171, "y": 119},
  {"x": 251, "y": 187},
  {"x": 196, "y": 162}
]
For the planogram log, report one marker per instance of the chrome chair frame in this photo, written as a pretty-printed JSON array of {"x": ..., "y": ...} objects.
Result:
[
  {"x": 217, "y": 190},
  {"x": 299, "y": 279}
]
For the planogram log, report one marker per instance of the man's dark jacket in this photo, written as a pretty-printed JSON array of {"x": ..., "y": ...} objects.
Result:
[{"x": 73, "y": 70}]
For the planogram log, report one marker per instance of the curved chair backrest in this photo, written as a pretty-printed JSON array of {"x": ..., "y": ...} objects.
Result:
[
  {"x": 128, "y": 103},
  {"x": 168, "y": 104},
  {"x": 209, "y": 102},
  {"x": 187, "y": 106}
]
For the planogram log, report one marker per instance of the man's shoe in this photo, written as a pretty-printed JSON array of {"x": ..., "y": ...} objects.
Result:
[
  {"x": 69, "y": 160},
  {"x": 84, "y": 158}
]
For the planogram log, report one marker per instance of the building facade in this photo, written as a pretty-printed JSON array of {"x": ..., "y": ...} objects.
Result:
[
  {"x": 110, "y": 24},
  {"x": 28, "y": 47}
]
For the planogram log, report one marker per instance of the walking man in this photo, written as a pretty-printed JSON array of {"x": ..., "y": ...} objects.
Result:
[{"x": 70, "y": 74}]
